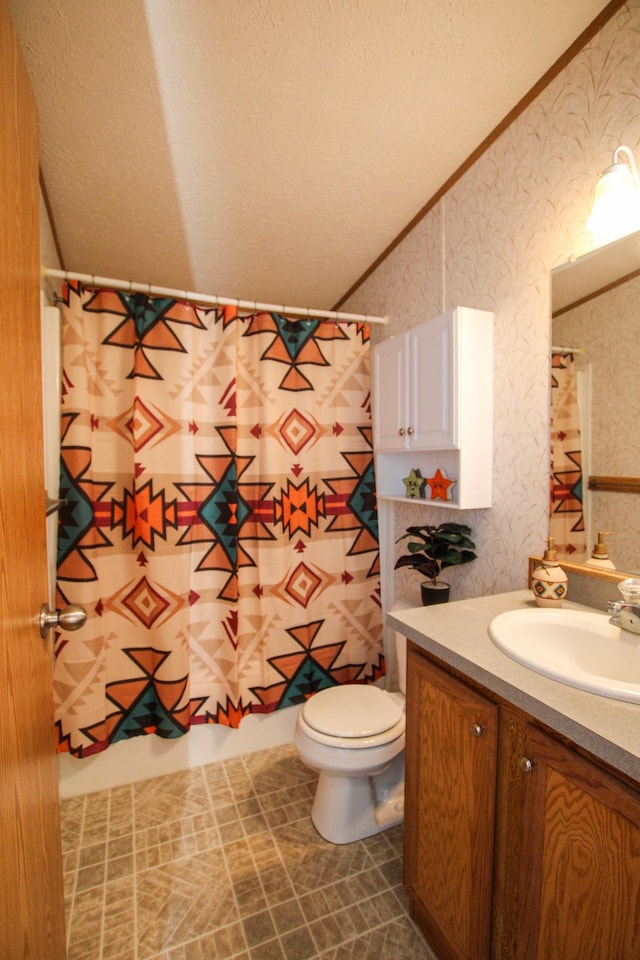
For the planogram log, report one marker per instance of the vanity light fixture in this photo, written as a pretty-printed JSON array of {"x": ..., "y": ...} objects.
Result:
[{"x": 616, "y": 208}]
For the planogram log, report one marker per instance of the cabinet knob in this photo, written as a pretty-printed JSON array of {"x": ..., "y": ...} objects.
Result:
[
  {"x": 476, "y": 729},
  {"x": 525, "y": 764},
  {"x": 410, "y": 431},
  {"x": 401, "y": 432}
]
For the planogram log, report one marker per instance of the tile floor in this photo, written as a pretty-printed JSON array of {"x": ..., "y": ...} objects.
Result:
[{"x": 223, "y": 862}]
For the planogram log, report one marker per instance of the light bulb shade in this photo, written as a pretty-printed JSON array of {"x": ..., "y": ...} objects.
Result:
[{"x": 616, "y": 208}]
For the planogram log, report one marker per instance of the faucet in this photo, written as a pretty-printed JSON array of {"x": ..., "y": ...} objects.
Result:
[
  {"x": 625, "y": 615},
  {"x": 626, "y": 612}
]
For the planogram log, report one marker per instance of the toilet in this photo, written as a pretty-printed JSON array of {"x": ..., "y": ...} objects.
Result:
[{"x": 354, "y": 736}]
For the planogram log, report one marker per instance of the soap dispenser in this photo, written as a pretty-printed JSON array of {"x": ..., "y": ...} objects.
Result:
[
  {"x": 600, "y": 554},
  {"x": 549, "y": 581}
]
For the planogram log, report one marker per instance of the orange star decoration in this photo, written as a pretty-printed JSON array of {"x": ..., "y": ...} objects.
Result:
[{"x": 441, "y": 486}]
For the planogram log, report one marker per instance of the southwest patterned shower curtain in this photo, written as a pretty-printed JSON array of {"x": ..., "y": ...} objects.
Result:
[
  {"x": 566, "y": 512},
  {"x": 220, "y": 525}
]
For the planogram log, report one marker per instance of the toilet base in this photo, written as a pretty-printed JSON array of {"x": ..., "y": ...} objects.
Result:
[
  {"x": 388, "y": 793},
  {"x": 346, "y": 809}
]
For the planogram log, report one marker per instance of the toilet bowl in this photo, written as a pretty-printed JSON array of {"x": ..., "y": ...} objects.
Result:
[{"x": 354, "y": 736}]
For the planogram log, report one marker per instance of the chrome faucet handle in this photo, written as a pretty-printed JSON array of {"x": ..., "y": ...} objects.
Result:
[
  {"x": 624, "y": 615},
  {"x": 630, "y": 590},
  {"x": 616, "y": 605}
]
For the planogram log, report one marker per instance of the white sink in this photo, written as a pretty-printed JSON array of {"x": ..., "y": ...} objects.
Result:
[{"x": 575, "y": 647}]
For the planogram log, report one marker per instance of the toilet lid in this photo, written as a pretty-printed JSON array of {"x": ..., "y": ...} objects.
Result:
[{"x": 352, "y": 711}]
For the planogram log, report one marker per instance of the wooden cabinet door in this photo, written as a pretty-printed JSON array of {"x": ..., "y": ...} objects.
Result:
[
  {"x": 31, "y": 892},
  {"x": 571, "y": 884},
  {"x": 449, "y": 810}
]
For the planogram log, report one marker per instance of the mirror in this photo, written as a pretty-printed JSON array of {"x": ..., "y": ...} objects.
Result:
[{"x": 595, "y": 304}]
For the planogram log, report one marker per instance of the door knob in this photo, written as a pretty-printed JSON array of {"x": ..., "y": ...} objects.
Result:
[{"x": 71, "y": 617}]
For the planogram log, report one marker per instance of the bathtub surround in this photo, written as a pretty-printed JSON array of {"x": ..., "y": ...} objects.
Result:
[
  {"x": 491, "y": 241},
  {"x": 220, "y": 527},
  {"x": 146, "y": 758}
]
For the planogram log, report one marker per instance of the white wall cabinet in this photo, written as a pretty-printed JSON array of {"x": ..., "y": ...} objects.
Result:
[{"x": 433, "y": 407}]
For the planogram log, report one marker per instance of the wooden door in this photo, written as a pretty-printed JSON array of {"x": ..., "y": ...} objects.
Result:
[
  {"x": 450, "y": 789},
  {"x": 571, "y": 857},
  {"x": 31, "y": 893}
]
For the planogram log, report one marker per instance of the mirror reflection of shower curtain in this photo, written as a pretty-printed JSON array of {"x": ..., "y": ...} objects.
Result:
[{"x": 570, "y": 449}]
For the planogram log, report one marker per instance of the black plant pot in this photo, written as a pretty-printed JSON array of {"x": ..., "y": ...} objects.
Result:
[{"x": 437, "y": 592}]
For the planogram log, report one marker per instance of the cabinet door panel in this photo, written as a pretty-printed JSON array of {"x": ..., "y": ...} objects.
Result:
[
  {"x": 580, "y": 893},
  {"x": 450, "y": 800},
  {"x": 432, "y": 359},
  {"x": 390, "y": 382}
]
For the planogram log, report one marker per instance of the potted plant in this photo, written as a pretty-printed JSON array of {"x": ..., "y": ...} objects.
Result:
[{"x": 431, "y": 549}]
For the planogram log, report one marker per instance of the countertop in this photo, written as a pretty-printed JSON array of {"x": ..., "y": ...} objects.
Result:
[{"x": 456, "y": 633}]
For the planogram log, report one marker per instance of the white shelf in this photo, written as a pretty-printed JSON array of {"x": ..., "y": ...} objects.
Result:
[
  {"x": 420, "y": 501},
  {"x": 433, "y": 408}
]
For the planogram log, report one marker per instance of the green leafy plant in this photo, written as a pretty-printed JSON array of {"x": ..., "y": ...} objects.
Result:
[{"x": 431, "y": 549}]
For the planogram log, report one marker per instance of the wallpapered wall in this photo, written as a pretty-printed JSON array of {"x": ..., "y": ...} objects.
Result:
[
  {"x": 608, "y": 329},
  {"x": 491, "y": 243}
]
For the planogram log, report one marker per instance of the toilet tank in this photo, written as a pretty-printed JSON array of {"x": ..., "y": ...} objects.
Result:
[{"x": 401, "y": 646}]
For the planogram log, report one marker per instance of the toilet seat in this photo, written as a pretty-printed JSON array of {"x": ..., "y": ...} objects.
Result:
[
  {"x": 352, "y": 743},
  {"x": 353, "y": 717}
]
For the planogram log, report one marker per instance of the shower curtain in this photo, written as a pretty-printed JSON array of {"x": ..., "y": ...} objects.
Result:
[
  {"x": 566, "y": 520},
  {"x": 220, "y": 525}
]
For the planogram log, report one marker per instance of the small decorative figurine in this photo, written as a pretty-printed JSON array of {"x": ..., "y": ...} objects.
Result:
[
  {"x": 415, "y": 484},
  {"x": 441, "y": 486}
]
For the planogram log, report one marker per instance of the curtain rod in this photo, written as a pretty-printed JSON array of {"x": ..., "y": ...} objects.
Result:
[
  {"x": 567, "y": 350},
  {"x": 304, "y": 313}
]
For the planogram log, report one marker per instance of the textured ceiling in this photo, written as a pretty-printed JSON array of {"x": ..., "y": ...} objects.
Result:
[{"x": 267, "y": 149}]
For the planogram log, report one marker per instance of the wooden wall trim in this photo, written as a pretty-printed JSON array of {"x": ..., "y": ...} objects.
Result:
[
  {"x": 52, "y": 222},
  {"x": 596, "y": 293},
  {"x": 578, "y": 44}
]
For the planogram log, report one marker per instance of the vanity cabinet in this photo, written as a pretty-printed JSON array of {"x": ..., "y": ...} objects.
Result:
[
  {"x": 450, "y": 794},
  {"x": 561, "y": 876},
  {"x": 567, "y": 863},
  {"x": 432, "y": 406}
]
